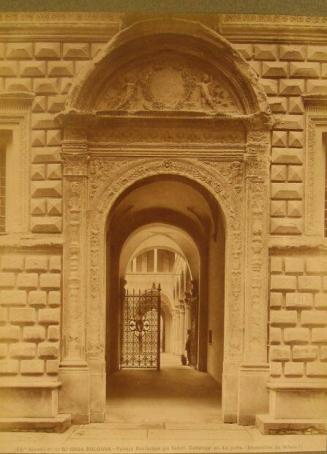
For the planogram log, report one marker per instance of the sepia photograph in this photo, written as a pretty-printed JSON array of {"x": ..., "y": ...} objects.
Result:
[{"x": 163, "y": 227}]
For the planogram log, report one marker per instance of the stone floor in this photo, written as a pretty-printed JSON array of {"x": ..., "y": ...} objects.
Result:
[{"x": 176, "y": 410}]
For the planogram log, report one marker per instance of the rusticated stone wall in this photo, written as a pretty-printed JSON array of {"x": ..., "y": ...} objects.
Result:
[{"x": 30, "y": 295}]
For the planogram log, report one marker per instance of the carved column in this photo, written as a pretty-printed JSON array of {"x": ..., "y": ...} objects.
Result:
[
  {"x": 73, "y": 367},
  {"x": 253, "y": 396}
]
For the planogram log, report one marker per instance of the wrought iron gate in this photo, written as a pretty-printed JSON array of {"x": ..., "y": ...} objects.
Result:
[{"x": 140, "y": 336}]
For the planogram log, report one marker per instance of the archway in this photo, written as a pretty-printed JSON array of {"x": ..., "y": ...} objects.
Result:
[
  {"x": 213, "y": 132},
  {"x": 192, "y": 225}
]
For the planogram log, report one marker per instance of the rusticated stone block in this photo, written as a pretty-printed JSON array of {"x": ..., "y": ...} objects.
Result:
[
  {"x": 323, "y": 353},
  {"x": 27, "y": 280},
  {"x": 49, "y": 316},
  {"x": 32, "y": 69},
  {"x": 9, "y": 366},
  {"x": 47, "y": 188},
  {"x": 280, "y": 353},
  {"x": 38, "y": 138},
  {"x": 283, "y": 282},
  {"x": 276, "y": 264},
  {"x": 283, "y": 318},
  {"x": 47, "y": 50},
  {"x": 32, "y": 367},
  {"x": 316, "y": 369},
  {"x": 317, "y": 53},
  {"x": 22, "y": 350},
  {"x": 299, "y": 300},
  {"x": 278, "y": 104},
  {"x": 319, "y": 335},
  {"x": 295, "y": 174},
  {"x": 309, "y": 283},
  {"x": 13, "y": 297},
  {"x": 37, "y": 172},
  {"x": 287, "y": 122},
  {"x": 54, "y": 136},
  {"x": 8, "y": 69},
  {"x": 286, "y": 226},
  {"x": 291, "y": 87},
  {"x": 314, "y": 318},
  {"x": 34, "y": 333},
  {"x": 294, "y": 265},
  {"x": 52, "y": 366},
  {"x": 292, "y": 52},
  {"x": 276, "y": 369},
  {"x": 48, "y": 224},
  {"x": 46, "y": 154},
  {"x": 305, "y": 70},
  {"x": 3, "y": 350},
  {"x": 321, "y": 301},
  {"x": 38, "y": 207},
  {"x": 9, "y": 333},
  {"x": 39, "y": 104},
  {"x": 274, "y": 69},
  {"x": 316, "y": 265},
  {"x": 276, "y": 299},
  {"x": 324, "y": 282},
  {"x": 7, "y": 279},
  {"x": 294, "y": 209},
  {"x": 304, "y": 353},
  {"x": 277, "y": 208},
  {"x": 36, "y": 263},
  {"x": 56, "y": 103},
  {"x": 296, "y": 139},
  {"x": 64, "y": 85},
  {"x": 53, "y": 333},
  {"x": 22, "y": 315},
  {"x": 279, "y": 138},
  {"x": 295, "y": 105},
  {"x": 43, "y": 121},
  {"x": 315, "y": 87},
  {"x": 37, "y": 298},
  {"x": 287, "y": 156},
  {"x": 18, "y": 84},
  {"x": 44, "y": 86},
  {"x": 294, "y": 369},
  {"x": 3, "y": 314},
  {"x": 275, "y": 335},
  {"x": 54, "y": 207},
  {"x": 296, "y": 335},
  {"x": 54, "y": 171},
  {"x": 48, "y": 350},
  {"x": 50, "y": 280},
  {"x": 265, "y": 52},
  {"x": 246, "y": 50},
  {"x": 285, "y": 191},
  {"x": 60, "y": 69},
  {"x": 17, "y": 51},
  {"x": 78, "y": 51},
  {"x": 270, "y": 86},
  {"x": 278, "y": 172},
  {"x": 324, "y": 70},
  {"x": 55, "y": 263}
]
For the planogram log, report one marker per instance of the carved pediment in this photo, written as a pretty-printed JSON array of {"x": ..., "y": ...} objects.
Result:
[{"x": 168, "y": 81}]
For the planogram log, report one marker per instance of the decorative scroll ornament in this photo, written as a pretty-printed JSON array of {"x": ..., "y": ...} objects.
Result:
[{"x": 168, "y": 82}]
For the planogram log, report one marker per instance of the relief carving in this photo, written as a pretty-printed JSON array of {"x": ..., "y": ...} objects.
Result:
[{"x": 168, "y": 81}]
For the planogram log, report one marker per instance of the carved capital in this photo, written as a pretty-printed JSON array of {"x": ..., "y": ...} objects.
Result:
[{"x": 75, "y": 164}]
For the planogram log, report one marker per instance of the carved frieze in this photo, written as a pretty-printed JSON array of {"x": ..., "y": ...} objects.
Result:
[{"x": 168, "y": 81}]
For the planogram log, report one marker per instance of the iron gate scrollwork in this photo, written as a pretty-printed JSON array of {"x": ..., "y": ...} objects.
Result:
[{"x": 140, "y": 336}]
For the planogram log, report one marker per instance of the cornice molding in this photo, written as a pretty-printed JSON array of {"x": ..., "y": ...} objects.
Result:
[{"x": 102, "y": 25}]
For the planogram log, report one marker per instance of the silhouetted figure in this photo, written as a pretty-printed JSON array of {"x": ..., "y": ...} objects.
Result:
[{"x": 188, "y": 345}]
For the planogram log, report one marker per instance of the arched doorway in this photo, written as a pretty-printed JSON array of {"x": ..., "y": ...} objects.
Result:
[
  {"x": 154, "y": 237},
  {"x": 197, "y": 115}
]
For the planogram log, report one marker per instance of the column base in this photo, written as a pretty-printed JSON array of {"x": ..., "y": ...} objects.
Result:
[
  {"x": 271, "y": 426},
  {"x": 58, "y": 423}
]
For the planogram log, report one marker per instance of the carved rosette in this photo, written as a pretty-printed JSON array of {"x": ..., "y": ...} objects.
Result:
[
  {"x": 114, "y": 180},
  {"x": 75, "y": 180},
  {"x": 257, "y": 166}
]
